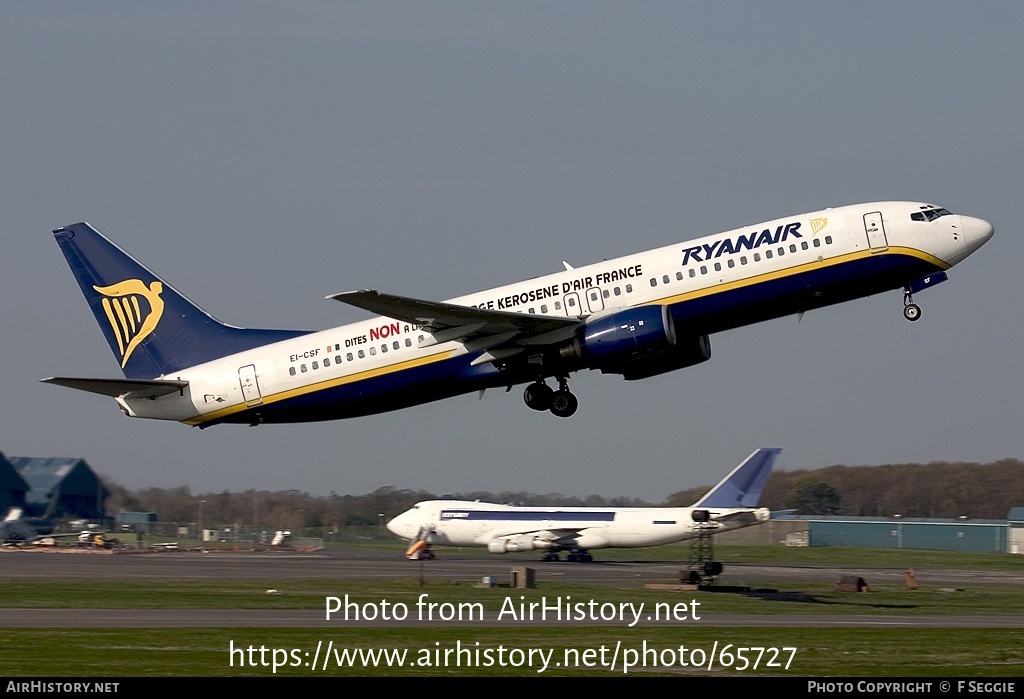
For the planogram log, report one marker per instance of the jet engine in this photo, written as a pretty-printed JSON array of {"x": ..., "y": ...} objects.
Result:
[
  {"x": 514, "y": 544},
  {"x": 637, "y": 343}
]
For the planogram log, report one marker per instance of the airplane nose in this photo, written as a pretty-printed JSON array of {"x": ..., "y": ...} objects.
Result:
[
  {"x": 977, "y": 231},
  {"x": 395, "y": 526}
]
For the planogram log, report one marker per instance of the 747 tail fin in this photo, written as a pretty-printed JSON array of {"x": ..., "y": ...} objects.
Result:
[{"x": 744, "y": 485}]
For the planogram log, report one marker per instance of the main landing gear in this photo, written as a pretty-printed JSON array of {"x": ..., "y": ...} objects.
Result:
[
  {"x": 575, "y": 556},
  {"x": 561, "y": 403},
  {"x": 911, "y": 311}
]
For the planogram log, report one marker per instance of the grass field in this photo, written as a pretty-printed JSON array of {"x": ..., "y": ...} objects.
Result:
[{"x": 437, "y": 649}]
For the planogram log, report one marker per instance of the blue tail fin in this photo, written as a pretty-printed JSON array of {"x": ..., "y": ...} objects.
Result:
[
  {"x": 152, "y": 329},
  {"x": 743, "y": 487}
]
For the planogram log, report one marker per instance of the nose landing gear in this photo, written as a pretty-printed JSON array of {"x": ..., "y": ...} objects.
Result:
[{"x": 562, "y": 403}]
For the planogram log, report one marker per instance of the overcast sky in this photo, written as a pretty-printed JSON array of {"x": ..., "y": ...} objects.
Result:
[{"x": 260, "y": 156}]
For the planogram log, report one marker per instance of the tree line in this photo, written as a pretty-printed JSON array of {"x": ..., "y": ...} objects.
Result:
[{"x": 978, "y": 491}]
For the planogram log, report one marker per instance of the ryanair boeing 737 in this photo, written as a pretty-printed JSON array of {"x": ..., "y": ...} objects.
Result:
[{"x": 637, "y": 316}]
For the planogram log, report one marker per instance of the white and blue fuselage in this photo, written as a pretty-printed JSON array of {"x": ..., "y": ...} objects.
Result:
[{"x": 638, "y": 316}]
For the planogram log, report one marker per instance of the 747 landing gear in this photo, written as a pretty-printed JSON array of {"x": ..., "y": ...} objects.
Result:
[
  {"x": 539, "y": 396},
  {"x": 911, "y": 311}
]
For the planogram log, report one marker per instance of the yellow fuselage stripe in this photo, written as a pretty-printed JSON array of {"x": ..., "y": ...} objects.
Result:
[
  {"x": 668, "y": 300},
  {"x": 798, "y": 269},
  {"x": 321, "y": 385}
]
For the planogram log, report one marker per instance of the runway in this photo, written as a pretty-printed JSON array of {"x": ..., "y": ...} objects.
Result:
[
  {"x": 371, "y": 564},
  {"x": 364, "y": 564}
]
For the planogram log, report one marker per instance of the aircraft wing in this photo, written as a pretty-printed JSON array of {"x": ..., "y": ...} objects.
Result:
[
  {"x": 129, "y": 388},
  {"x": 564, "y": 535},
  {"x": 452, "y": 321}
]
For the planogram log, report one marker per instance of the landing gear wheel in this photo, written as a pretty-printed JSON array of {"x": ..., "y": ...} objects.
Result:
[
  {"x": 538, "y": 396},
  {"x": 911, "y": 311},
  {"x": 550, "y": 557},
  {"x": 563, "y": 403}
]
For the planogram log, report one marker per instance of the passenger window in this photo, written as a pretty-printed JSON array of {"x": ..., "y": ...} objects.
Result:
[
  {"x": 768, "y": 254},
  {"x": 291, "y": 371},
  {"x": 362, "y": 354},
  {"x": 395, "y": 345},
  {"x": 828, "y": 240},
  {"x": 349, "y": 356},
  {"x": 383, "y": 349},
  {"x": 373, "y": 351},
  {"x": 817, "y": 242},
  {"x": 718, "y": 266},
  {"x": 337, "y": 359},
  {"x": 757, "y": 257},
  {"x": 327, "y": 362},
  {"x": 533, "y": 312},
  {"x": 664, "y": 279},
  {"x": 782, "y": 251},
  {"x": 679, "y": 276},
  {"x": 654, "y": 282},
  {"x": 408, "y": 342},
  {"x": 606, "y": 293},
  {"x": 593, "y": 296},
  {"x": 743, "y": 260},
  {"x": 618, "y": 291},
  {"x": 558, "y": 305},
  {"x": 303, "y": 369},
  {"x": 692, "y": 273},
  {"x": 629, "y": 288},
  {"x": 316, "y": 365},
  {"x": 571, "y": 302},
  {"x": 803, "y": 245},
  {"x": 730, "y": 263},
  {"x": 544, "y": 308},
  {"x": 792, "y": 247},
  {"x": 703, "y": 269}
]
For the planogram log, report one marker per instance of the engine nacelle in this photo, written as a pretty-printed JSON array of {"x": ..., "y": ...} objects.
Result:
[
  {"x": 686, "y": 353},
  {"x": 626, "y": 335},
  {"x": 637, "y": 343},
  {"x": 514, "y": 544}
]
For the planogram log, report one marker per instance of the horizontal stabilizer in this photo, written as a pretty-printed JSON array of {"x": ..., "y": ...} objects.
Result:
[
  {"x": 116, "y": 388},
  {"x": 744, "y": 518}
]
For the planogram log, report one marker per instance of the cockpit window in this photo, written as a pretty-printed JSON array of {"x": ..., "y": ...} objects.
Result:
[{"x": 930, "y": 214}]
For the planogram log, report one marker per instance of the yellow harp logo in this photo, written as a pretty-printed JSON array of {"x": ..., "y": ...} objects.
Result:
[
  {"x": 817, "y": 224},
  {"x": 130, "y": 321}
]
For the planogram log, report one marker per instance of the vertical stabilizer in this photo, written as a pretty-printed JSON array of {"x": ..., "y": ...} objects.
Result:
[
  {"x": 743, "y": 487},
  {"x": 151, "y": 328}
]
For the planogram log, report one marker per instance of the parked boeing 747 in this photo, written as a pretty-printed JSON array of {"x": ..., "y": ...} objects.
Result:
[
  {"x": 636, "y": 316},
  {"x": 731, "y": 504}
]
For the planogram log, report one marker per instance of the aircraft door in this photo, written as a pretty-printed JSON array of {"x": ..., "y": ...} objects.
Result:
[
  {"x": 595, "y": 301},
  {"x": 875, "y": 229},
  {"x": 250, "y": 388}
]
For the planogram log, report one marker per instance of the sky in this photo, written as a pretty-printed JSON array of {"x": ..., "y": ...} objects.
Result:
[{"x": 260, "y": 156}]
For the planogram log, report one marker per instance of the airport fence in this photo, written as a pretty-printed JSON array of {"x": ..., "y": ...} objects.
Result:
[{"x": 244, "y": 537}]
